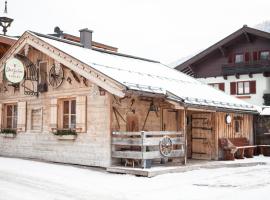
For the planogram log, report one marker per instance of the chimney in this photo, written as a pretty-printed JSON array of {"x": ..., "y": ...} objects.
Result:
[{"x": 86, "y": 38}]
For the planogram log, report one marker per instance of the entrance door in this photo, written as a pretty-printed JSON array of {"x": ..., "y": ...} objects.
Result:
[
  {"x": 202, "y": 134},
  {"x": 169, "y": 120}
]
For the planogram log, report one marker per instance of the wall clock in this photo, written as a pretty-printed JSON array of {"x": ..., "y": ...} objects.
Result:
[
  {"x": 228, "y": 119},
  {"x": 56, "y": 76}
]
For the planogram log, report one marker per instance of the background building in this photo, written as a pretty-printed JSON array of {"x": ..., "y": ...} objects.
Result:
[{"x": 238, "y": 65}]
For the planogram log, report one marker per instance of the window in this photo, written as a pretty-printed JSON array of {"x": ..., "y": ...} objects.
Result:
[
  {"x": 243, "y": 87},
  {"x": 264, "y": 55},
  {"x": 239, "y": 58},
  {"x": 43, "y": 72},
  {"x": 11, "y": 111},
  {"x": 237, "y": 126},
  {"x": 69, "y": 114},
  {"x": 218, "y": 86}
]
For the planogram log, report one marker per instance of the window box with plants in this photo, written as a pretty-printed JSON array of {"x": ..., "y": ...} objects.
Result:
[
  {"x": 8, "y": 133},
  {"x": 65, "y": 134}
]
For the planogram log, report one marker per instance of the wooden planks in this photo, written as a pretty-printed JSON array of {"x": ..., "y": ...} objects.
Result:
[
  {"x": 202, "y": 135},
  {"x": 146, "y": 142},
  {"x": 145, "y": 155}
]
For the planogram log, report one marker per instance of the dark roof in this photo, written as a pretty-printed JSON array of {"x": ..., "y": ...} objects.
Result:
[{"x": 244, "y": 30}]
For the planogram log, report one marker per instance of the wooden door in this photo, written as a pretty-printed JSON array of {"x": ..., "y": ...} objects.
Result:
[
  {"x": 202, "y": 135},
  {"x": 169, "y": 119},
  {"x": 132, "y": 124}
]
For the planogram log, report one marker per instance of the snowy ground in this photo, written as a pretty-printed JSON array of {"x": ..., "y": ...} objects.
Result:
[{"x": 27, "y": 180}]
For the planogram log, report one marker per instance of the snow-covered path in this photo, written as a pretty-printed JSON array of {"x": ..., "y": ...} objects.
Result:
[{"x": 27, "y": 180}]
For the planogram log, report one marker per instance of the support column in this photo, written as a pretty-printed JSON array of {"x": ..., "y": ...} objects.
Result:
[{"x": 185, "y": 134}]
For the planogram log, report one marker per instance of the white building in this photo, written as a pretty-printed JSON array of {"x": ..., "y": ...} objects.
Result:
[{"x": 238, "y": 64}]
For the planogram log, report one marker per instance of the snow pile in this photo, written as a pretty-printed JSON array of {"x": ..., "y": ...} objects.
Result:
[{"x": 27, "y": 180}]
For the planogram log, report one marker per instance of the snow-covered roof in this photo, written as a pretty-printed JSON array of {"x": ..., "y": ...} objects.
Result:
[
  {"x": 149, "y": 76},
  {"x": 265, "y": 110}
]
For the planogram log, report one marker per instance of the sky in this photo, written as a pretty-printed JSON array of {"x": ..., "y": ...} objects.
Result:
[{"x": 163, "y": 30}]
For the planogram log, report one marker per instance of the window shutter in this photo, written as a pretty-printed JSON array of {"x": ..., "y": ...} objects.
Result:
[
  {"x": 255, "y": 55},
  {"x": 81, "y": 113},
  {"x": 221, "y": 86},
  {"x": 233, "y": 88},
  {"x": 252, "y": 87},
  {"x": 21, "y": 121},
  {"x": 53, "y": 114},
  {"x": 1, "y": 113},
  {"x": 230, "y": 58},
  {"x": 247, "y": 57}
]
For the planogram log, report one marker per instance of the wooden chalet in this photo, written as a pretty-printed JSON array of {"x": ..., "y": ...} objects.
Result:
[
  {"x": 239, "y": 65},
  {"x": 82, "y": 105}
]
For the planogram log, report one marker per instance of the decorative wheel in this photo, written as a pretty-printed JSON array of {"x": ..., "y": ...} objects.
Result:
[
  {"x": 165, "y": 146},
  {"x": 56, "y": 76}
]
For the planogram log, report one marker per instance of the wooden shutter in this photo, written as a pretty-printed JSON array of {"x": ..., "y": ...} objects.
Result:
[
  {"x": 221, "y": 86},
  {"x": 53, "y": 114},
  {"x": 252, "y": 85},
  {"x": 230, "y": 58},
  {"x": 255, "y": 55},
  {"x": 81, "y": 113},
  {"x": 21, "y": 120},
  {"x": 233, "y": 88},
  {"x": 247, "y": 57}
]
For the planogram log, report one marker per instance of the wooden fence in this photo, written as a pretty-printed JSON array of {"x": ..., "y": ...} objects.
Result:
[{"x": 145, "y": 146}]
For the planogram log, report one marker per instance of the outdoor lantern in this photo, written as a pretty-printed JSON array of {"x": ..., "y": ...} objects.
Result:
[
  {"x": 5, "y": 21},
  {"x": 153, "y": 107}
]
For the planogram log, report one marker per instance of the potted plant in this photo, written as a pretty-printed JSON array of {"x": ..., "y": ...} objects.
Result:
[
  {"x": 9, "y": 133},
  {"x": 66, "y": 134}
]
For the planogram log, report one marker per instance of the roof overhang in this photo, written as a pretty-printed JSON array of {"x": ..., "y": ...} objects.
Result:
[{"x": 74, "y": 64}]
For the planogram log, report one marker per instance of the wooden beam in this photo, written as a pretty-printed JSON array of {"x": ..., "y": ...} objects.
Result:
[
  {"x": 185, "y": 135},
  {"x": 223, "y": 51},
  {"x": 247, "y": 37}
]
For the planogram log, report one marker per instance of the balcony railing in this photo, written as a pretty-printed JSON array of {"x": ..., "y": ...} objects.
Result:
[{"x": 260, "y": 66}]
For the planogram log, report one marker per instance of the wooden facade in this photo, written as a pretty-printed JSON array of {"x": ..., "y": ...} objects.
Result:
[{"x": 90, "y": 119}]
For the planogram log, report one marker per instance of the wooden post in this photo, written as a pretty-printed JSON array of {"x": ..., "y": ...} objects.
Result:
[
  {"x": 185, "y": 134},
  {"x": 143, "y": 149}
]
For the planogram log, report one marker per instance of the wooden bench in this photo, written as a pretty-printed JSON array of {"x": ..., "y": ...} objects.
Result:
[
  {"x": 244, "y": 149},
  {"x": 264, "y": 149},
  {"x": 236, "y": 148},
  {"x": 228, "y": 149}
]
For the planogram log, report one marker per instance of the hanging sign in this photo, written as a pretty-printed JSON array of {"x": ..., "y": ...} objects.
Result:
[{"x": 14, "y": 70}]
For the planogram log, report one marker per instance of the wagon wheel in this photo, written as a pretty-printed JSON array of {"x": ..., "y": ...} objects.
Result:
[
  {"x": 56, "y": 78},
  {"x": 165, "y": 146}
]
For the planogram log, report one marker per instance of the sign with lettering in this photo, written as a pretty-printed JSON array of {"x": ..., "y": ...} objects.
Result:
[{"x": 14, "y": 70}]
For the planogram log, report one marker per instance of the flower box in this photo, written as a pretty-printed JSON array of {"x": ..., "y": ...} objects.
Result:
[
  {"x": 8, "y": 135},
  {"x": 66, "y": 137},
  {"x": 65, "y": 134}
]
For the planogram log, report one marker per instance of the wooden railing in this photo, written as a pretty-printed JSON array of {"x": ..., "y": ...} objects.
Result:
[
  {"x": 260, "y": 66},
  {"x": 145, "y": 146}
]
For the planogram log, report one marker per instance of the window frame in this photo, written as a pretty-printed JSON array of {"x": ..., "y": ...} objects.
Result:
[
  {"x": 217, "y": 86},
  {"x": 262, "y": 51},
  {"x": 69, "y": 115},
  {"x": 13, "y": 117},
  {"x": 238, "y": 54},
  {"x": 40, "y": 75},
  {"x": 244, "y": 92},
  {"x": 240, "y": 126}
]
